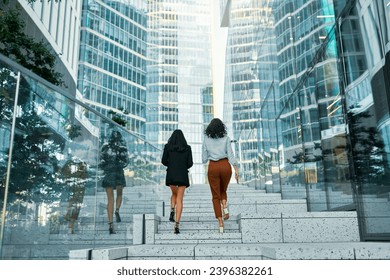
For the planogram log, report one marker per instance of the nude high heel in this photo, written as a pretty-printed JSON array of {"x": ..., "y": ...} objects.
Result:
[
  {"x": 221, "y": 226},
  {"x": 226, "y": 214}
]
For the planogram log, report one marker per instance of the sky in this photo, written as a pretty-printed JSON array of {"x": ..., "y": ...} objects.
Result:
[{"x": 219, "y": 36}]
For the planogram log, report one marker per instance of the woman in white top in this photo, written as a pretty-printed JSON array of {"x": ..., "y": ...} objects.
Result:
[{"x": 218, "y": 151}]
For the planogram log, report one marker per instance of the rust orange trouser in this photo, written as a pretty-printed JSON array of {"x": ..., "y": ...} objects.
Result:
[{"x": 219, "y": 175}]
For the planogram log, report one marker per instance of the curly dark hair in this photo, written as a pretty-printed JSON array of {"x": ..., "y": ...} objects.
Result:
[{"x": 216, "y": 129}]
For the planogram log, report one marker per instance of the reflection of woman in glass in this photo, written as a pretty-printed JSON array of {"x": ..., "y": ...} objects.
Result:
[
  {"x": 113, "y": 159},
  {"x": 75, "y": 174},
  {"x": 177, "y": 156}
]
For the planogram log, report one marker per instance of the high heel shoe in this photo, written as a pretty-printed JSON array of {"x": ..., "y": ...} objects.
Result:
[
  {"x": 226, "y": 214},
  {"x": 172, "y": 216},
  {"x": 117, "y": 216},
  {"x": 177, "y": 230},
  {"x": 111, "y": 228},
  {"x": 221, "y": 228}
]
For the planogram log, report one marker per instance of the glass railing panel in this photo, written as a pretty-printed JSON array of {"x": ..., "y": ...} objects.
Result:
[
  {"x": 8, "y": 85},
  {"x": 333, "y": 145},
  {"x": 314, "y": 157},
  {"x": 315, "y": 134},
  {"x": 369, "y": 140},
  {"x": 56, "y": 197},
  {"x": 365, "y": 85},
  {"x": 291, "y": 150},
  {"x": 268, "y": 157}
]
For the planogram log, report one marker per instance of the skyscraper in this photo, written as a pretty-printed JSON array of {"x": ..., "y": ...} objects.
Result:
[
  {"x": 58, "y": 24},
  {"x": 112, "y": 73},
  {"x": 179, "y": 70},
  {"x": 250, "y": 75}
]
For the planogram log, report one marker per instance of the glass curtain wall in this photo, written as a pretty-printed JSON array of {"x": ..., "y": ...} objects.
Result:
[
  {"x": 112, "y": 66},
  {"x": 179, "y": 70},
  {"x": 267, "y": 167},
  {"x": 51, "y": 170},
  {"x": 312, "y": 122},
  {"x": 251, "y": 70},
  {"x": 363, "y": 37},
  {"x": 333, "y": 59}
]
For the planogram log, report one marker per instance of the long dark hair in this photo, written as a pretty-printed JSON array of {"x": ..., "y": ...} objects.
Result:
[
  {"x": 177, "y": 141},
  {"x": 216, "y": 129}
]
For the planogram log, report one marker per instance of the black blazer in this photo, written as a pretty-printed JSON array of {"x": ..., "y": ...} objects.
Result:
[{"x": 178, "y": 163}]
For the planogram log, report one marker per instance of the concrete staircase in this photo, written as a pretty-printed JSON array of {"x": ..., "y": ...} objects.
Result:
[
  {"x": 261, "y": 226},
  {"x": 198, "y": 223}
]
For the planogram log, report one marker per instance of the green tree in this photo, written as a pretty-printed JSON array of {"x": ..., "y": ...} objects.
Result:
[
  {"x": 15, "y": 44},
  {"x": 367, "y": 146},
  {"x": 34, "y": 162},
  {"x": 117, "y": 117},
  {"x": 34, "y": 173}
]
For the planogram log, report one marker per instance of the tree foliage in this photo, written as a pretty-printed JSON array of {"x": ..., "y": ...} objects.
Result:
[
  {"x": 34, "y": 165},
  {"x": 117, "y": 117},
  {"x": 23, "y": 49},
  {"x": 367, "y": 146},
  {"x": 34, "y": 160}
]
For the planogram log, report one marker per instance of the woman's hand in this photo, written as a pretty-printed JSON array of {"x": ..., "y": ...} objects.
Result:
[
  {"x": 237, "y": 176},
  {"x": 236, "y": 171}
]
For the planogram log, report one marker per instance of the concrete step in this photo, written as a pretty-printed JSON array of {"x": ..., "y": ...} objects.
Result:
[
  {"x": 242, "y": 198},
  {"x": 207, "y": 192},
  {"x": 196, "y": 226},
  {"x": 202, "y": 219},
  {"x": 258, "y": 206},
  {"x": 198, "y": 237},
  {"x": 264, "y": 251},
  {"x": 88, "y": 227},
  {"x": 93, "y": 238},
  {"x": 42, "y": 251},
  {"x": 235, "y": 199},
  {"x": 300, "y": 227}
]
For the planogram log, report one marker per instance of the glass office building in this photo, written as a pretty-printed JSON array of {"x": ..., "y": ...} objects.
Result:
[
  {"x": 112, "y": 66},
  {"x": 330, "y": 105},
  {"x": 179, "y": 71},
  {"x": 364, "y": 46},
  {"x": 333, "y": 117},
  {"x": 311, "y": 119},
  {"x": 58, "y": 25}
]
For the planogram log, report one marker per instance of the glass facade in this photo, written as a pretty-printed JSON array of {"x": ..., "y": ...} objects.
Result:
[
  {"x": 251, "y": 74},
  {"x": 112, "y": 66},
  {"x": 364, "y": 46},
  {"x": 311, "y": 119},
  {"x": 58, "y": 24},
  {"x": 179, "y": 71},
  {"x": 323, "y": 123},
  {"x": 51, "y": 182}
]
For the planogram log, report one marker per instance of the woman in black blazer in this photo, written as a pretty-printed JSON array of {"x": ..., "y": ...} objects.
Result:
[{"x": 177, "y": 156}]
